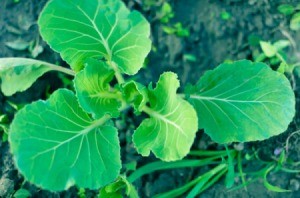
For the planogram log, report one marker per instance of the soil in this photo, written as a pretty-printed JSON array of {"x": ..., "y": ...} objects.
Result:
[{"x": 212, "y": 40}]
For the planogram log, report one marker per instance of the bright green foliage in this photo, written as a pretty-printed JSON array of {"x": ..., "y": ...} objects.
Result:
[
  {"x": 286, "y": 9},
  {"x": 295, "y": 22},
  {"x": 22, "y": 193},
  {"x": 170, "y": 131},
  {"x": 268, "y": 49},
  {"x": 166, "y": 13},
  {"x": 18, "y": 74},
  {"x": 94, "y": 93},
  {"x": 116, "y": 189},
  {"x": 136, "y": 94},
  {"x": 243, "y": 101},
  {"x": 83, "y": 29},
  {"x": 56, "y": 145}
]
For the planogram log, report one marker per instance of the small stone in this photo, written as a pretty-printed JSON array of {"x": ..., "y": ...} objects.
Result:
[{"x": 239, "y": 146}]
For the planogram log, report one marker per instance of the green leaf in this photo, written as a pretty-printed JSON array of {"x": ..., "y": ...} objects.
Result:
[
  {"x": 243, "y": 101},
  {"x": 135, "y": 94},
  {"x": 115, "y": 189},
  {"x": 286, "y": 9},
  {"x": 18, "y": 74},
  {"x": 166, "y": 13},
  {"x": 93, "y": 90},
  {"x": 22, "y": 193},
  {"x": 100, "y": 28},
  {"x": 281, "y": 44},
  {"x": 170, "y": 131},
  {"x": 17, "y": 45},
  {"x": 295, "y": 22},
  {"x": 268, "y": 49},
  {"x": 57, "y": 145}
]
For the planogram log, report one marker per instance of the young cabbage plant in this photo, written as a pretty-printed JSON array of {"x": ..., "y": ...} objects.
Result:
[{"x": 70, "y": 138}]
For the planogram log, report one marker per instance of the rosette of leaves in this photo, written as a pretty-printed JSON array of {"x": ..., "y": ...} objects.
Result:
[{"x": 70, "y": 139}]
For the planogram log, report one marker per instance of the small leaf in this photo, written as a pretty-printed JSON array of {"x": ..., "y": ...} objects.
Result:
[
  {"x": 35, "y": 49},
  {"x": 286, "y": 9},
  {"x": 166, "y": 13},
  {"x": 295, "y": 22},
  {"x": 18, "y": 74},
  {"x": 225, "y": 15},
  {"x": 170, "y": 131},
  {"x": 57, "y": 145},
  {"x": 93, "y": 90},
  {"x": 282, "y": 67},
  {"x": 268, "y": 49},
  {"x": 136, "y": 94},
  {"x": 22, "y": 193},
  {"x": 242, "y": 102},
  {"x": 100, "y": 28},
  {"x": 281, "y": 44},
  {"x": 17, "y": 45},
  {"x": 189, "y": 58}
]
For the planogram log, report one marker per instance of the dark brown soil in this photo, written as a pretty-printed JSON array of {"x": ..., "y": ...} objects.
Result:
[{"x": 212, "y": 40}]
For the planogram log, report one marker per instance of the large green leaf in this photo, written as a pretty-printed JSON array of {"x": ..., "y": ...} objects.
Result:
[
  {"x": 80, "y": 29},
  {"x": 18, "y": 74},
  {"x": 56, "y": 145},
  {"x": 170, "y": 131},
  {"x": 93, "y": 90},
  {"x": 243, "y": 101}
]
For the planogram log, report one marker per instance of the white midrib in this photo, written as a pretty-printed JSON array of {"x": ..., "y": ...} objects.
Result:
[
  {"x": 83, "y": 132},
  {"x": 153, "y": 113},
  {"x": 105, "y": 94},
  {"x": 222, "y": 99},
  {"x": 104, "y": 41}
]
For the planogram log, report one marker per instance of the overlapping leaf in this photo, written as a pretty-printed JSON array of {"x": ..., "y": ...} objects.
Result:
[
  {"x": 171, "y": 128},
  {"x": 81, "y": 29},
  {"x": 243, "y": 101},
  {"x": 56, "y": 145},
  {"x": 93, "y": 90},
  {"x": 136, "y": 94},
  {"x": 18, "y": 74}
]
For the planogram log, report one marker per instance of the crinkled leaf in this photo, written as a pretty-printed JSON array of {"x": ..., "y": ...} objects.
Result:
[
  {"x": 243, "y": 101},
  {"x": 170, "y": 131},
  {"x": 83, "y": 29},
  {"x": 136, "y": 94},
  {"x": 56, "y": 145},
  {"x": 93, "y": 90},
  {"x": 18, "y": 74}
]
